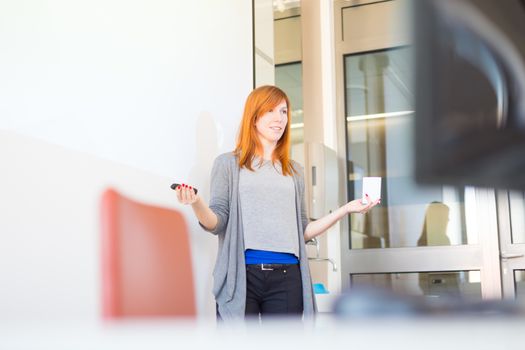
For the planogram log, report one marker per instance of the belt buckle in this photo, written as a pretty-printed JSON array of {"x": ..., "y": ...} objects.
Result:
[{"x": 265, "y": 269}]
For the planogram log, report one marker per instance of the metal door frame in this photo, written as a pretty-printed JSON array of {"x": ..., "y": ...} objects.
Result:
[{"x": 512, "y": 255}]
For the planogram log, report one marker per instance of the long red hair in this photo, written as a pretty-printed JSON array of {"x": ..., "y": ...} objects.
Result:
[{"x": 260, "y": 101}]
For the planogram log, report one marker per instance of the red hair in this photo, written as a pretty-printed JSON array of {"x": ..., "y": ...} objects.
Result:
[{"x": 260, "y": 101}]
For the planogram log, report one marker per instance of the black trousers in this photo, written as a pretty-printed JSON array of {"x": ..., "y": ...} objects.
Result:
[{"x": 277, "y": 292}]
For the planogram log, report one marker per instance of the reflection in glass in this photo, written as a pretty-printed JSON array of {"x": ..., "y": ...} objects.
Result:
[
  {"x": 380, "y": 118},
  {"x": 519, "y": 280},
  {"x": 434, "y": 230},
  {"x": 517, "y": 216},
  {"x": 462, "y": 284}
]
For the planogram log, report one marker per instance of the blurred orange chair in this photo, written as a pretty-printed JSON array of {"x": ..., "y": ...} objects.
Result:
[{"x": 146, "y": 260}]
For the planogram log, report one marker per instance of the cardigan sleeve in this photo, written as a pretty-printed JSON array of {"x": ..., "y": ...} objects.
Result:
[
  {"x": 302, "y": 199},
  {"x": 220, "y": 194}
]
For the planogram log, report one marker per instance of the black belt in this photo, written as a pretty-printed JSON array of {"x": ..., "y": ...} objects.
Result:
[{"x": 269, "y": 267}]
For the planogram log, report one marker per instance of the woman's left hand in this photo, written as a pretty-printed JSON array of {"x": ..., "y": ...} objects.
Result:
[
  {"x": 317, "y": 227},
  {"x": 357, "y": 206}
]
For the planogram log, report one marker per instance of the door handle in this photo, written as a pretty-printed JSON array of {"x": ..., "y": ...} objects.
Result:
[{"x": 506, "y": 256}]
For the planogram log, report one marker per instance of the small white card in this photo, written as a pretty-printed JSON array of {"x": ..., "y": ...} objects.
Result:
[{"x": 372, "y": 187}]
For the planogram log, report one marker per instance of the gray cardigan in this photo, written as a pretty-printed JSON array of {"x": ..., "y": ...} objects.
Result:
[{"x": 229, "y": 275}]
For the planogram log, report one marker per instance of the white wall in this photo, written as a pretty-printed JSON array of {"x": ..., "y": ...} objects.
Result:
[
  {"x": 125, "y": 80},
  {"x": 130, "y": 94}
]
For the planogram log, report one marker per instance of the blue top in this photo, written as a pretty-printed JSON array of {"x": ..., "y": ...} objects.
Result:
[{"x": 253, "y": 256}]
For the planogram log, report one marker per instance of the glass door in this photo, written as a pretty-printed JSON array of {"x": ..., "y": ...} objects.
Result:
[{"x": 422, "y": 240}]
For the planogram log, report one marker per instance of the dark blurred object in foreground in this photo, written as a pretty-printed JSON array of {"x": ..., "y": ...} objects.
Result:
[
  {"x": 364, "y": 302},
  {"x": 470, "y": 92}
]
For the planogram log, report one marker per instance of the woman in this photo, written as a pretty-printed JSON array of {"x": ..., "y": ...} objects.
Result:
[{"x": 257, "y": 210}]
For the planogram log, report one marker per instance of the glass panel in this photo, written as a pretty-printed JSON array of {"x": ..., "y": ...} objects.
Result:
[
  {"x": 519, "y": 280},
  {"x": 288, "y": 77},
  {"x": 465, "y": 284},
  {"x": 263, "y": 27},
  {"x": 517, "y": 216},
  {"x": 380, "y": 117}
]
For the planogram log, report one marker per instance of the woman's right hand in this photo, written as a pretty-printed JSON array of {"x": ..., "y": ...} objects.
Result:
[
  {"x": 185, "y": 194},
  {"x": 207, "y": 218}
]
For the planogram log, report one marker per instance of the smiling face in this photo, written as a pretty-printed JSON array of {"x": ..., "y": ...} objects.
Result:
[{"x": 271, "y": 125}]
